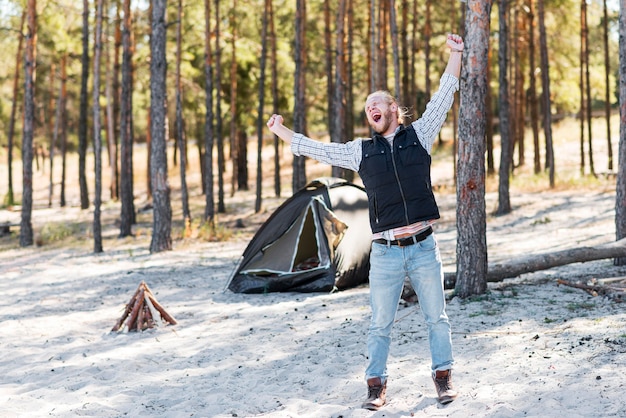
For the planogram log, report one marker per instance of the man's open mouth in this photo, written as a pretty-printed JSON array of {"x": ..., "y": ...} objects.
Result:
[{"x": 376, "y": 117}]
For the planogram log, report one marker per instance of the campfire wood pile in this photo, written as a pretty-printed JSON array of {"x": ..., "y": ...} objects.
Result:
[
  {"x": 613, "y": 288},
  {"x": 142, "y": 312}
]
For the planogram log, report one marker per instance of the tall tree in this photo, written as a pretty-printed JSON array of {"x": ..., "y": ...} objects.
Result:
[
  {"x": 339, "y": 99},
  {"x": 607, "y": 87},
  {"x": 620, "y": 195},
  {"x": 545, "y": 95},
  {"x": 330, "y": 82},
  {"x": 221, "y": 167},
  {"x": 588, "y": 88},
  {"x": 234, "y": 144},
  {"x": 110, "y": 114},
  {"x": 127, "y": 217},
  {"x": 180, "y": 123},
  {"x": 299, "y": 112},
  {"x": 471, "y": 214},
  {"x": 10, "y": 197},
  {"x": 532, "y": 90},
  {"x": 63, "y": 122},
  {"x": 259, "y": 124},
  {"x": 82, "y": 121},
  {"x": 209, "y": 208},
  {"x": 54, "y": 138},
  {"x": 395, "y": 48},
  {"x": 97, "y": 141},
  {"x": 582, "y": 87},
  {"x": 274, "y": 64},
  {"x": 30, "y": 67},
  {"x": 504, "y": 199},
  {"x": 162, "y": 212}
]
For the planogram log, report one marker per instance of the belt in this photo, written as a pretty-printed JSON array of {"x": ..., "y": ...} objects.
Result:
[{"x": 405, "y": 242}]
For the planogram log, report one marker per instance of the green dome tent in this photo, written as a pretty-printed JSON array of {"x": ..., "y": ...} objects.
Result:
[{"x": 318, "y": 240}]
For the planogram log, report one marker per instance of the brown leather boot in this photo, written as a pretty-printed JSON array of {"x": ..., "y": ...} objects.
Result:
[
  {"x": 443, "y": 384},
  {"x": 376, "y": 390}
]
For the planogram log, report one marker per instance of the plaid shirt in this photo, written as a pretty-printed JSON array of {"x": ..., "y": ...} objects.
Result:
[{"x": 348, "y": 155}]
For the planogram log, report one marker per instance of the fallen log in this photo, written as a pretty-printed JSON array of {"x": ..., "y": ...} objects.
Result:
[{"x": 514, "y": 267}]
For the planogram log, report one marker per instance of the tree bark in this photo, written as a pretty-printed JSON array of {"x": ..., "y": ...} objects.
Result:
[
  {"x": 277, "y": 141},
  {"x": 534, "y": 113},
  {"x": 221, "y": 206},
  {"x": 607, "y": 87},
  {"x": 110, "y": 116},
  {"x": 260, "y": 118},
  {"x": 234, "y": 143},
  {"x": 620, "y": 195},
  {"x": 162, "y": 209},
  {"x": 471, "y": 213},
  {"x": 82, "y": 121},
  {"x": 545, "y": 95},
  {"x": 504, "y": 200},
  {"x": 180, "y": 123},
  {"x": 10, "y": 197},
  {"x": 209, "y": 208},
  {"x": 339, "y": 100},
  {"x": 97, "y": 141},
  {"x": 299, "y": 113},
  {"x": 30, "y": 67},
  {"x": 592, "y": 169},
  {"x": 63, "y": 128},
  {"x": 127, "y": 218}
]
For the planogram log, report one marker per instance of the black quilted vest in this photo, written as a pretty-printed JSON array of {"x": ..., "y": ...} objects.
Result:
[{"x": 397, "y": 181}]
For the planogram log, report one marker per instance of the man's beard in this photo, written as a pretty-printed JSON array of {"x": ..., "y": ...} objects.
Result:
[{"x": 386, "y": 118}]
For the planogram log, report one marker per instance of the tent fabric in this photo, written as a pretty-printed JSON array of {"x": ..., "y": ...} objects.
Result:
[{"x": 318, "y": 240}]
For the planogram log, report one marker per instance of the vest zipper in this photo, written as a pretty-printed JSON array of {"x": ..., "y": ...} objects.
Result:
[{"x": 395, "y": 171}]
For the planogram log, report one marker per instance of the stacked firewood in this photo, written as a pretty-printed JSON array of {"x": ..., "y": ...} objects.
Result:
[{"x": 143, "y": 312}]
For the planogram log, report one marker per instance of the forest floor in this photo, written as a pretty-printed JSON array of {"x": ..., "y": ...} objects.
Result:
[{"x": 528, "y": 348}]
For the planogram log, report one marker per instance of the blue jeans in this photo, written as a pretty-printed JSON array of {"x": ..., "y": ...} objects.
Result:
[{"x": 389, "y": 265}]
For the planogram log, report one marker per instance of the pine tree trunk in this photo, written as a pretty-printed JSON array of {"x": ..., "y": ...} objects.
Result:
[
  {"x": 30, "y": 67},
  {"x": 471, "y": 214},
  {"x": 162, "y": 209},
  {"x": 299, "y": 113},
  {"x": 339, "y": 100},
  {"x": 180, "y": 123},
  {"x": 63, "y": 128},
  {"x": 82, "y": 121},
  {"x": 504, "y": 200},
  {"x": 260, "y": 118},
  {"x": 277, "y": 141},
  {"x": 209, "y": 208},
  {"x": 97, "y": 141},
  {"x": 10, "y": 197},
  {"x": 393, "y": 25},
  {"x": 110, "y": 117},
  {"x": 620, "y": 195},
  {"x": 545, "y": 96},
  {"x": 534, "y": 112},
  {"x": 117, "y": 71},
  {"x": 592, "y": 169},
  {"x": 221, "y": 207},
  {"x": 234, "y": 143},
  {"x": 330, "y": 82},
  {"x": 126, "y": 138},
  {"x": 607, "y": 86}
]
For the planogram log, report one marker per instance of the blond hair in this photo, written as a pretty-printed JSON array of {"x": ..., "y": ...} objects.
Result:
[{"x": 402, "y": 112}]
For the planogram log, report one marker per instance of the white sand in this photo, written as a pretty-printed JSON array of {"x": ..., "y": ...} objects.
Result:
[{"x": 528, "y": 349}]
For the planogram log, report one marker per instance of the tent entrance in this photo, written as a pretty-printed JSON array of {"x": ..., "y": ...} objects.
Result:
[{"x": 303, "y": 247}]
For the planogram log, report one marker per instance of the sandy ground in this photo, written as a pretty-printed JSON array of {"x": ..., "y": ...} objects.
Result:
[{"x": 529, "y": 348}]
